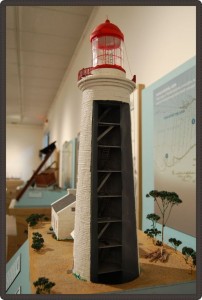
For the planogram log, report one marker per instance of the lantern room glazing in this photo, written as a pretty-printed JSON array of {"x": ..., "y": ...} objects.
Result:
[{"x": 107, "y": 46}]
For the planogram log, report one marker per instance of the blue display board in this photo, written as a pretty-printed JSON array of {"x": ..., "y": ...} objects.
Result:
[
  {"x": 17, "y": 272},
  {"x": 40, "y": 197},
  {"x": 169, "y": 148}
]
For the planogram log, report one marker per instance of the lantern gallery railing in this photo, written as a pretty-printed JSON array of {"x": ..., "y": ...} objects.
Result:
[{"x": 84, "y": 72}]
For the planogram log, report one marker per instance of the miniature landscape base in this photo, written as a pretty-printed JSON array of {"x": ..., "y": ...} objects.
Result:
[{"x": 55, "y": 262}]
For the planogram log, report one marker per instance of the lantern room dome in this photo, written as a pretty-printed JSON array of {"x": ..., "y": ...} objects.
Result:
[{"x": 107, "y": 29}]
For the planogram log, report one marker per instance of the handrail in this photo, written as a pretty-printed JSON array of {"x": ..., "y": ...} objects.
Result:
[{"x": 84, "y": 72}]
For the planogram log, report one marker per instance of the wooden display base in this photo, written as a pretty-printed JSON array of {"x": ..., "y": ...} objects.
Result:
[
  {"x": 58, "y": 256},
  {"x": 45, "y": 179}
]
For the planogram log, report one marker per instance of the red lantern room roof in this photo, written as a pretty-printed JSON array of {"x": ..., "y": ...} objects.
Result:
[{"x": 106, "y": 29}]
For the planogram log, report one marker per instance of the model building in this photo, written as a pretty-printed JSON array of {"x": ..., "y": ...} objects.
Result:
[{"x": 105, "y": 239}]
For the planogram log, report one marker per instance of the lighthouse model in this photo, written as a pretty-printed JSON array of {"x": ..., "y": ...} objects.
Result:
[{"x": 105, "y": 235}]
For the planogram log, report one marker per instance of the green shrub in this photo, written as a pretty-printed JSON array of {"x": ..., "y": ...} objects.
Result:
[
  {"x": 43, "y": 285},
  {"x": 38, "y": 241}
]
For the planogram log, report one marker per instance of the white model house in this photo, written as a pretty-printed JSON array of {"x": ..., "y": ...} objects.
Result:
[{"x": 62, "y": 216}]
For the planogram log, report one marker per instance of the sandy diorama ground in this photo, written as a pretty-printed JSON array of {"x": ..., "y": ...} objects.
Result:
[{"x": 55, "y": 260}]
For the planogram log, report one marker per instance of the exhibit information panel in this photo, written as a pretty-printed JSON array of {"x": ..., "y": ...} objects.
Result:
[
  {"x": 169, "y": 148},
  {"x": 175, "y": 145}
]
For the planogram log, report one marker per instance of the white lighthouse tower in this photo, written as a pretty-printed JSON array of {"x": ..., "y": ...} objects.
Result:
[{"x": 105, "y": 238}]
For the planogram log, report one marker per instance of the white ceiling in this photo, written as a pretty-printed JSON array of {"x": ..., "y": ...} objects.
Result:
[{"x": 40, "y": 42}]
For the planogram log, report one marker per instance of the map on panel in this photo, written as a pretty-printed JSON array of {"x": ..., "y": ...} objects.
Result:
[{"x": 175, "y": 145}]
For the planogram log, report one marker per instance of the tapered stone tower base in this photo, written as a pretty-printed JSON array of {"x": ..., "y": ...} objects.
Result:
[{"x": 105, "y": 244}]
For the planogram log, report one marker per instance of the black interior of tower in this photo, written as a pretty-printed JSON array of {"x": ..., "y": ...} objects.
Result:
[{"x": 114, "y": 252}]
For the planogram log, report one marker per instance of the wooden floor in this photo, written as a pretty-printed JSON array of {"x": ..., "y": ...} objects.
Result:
[{"x": 55, "y": 261}]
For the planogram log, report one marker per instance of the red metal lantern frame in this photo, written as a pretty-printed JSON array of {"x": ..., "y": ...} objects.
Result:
[{"x": 107, "y": 46}]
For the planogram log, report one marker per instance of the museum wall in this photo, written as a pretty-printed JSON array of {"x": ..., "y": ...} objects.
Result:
[
  {"x": 22, "y": 150},
  {"x": 157, "y": 40}
]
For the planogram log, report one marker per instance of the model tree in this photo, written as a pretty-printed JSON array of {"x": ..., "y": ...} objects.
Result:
[
  {"x": 175, "y": 243},
  {"x": 43, "y": 285},
  {"x": 38, "y": 241},
  {"x": 189, "y": 256},
  {"x": 165, "y": 202},
  {"x": 153, "y": 231},
  {"x": 33, "y": 219}
]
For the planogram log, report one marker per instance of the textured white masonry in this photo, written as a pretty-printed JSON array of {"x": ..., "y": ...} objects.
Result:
[{"x": 104, "y": 84}]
